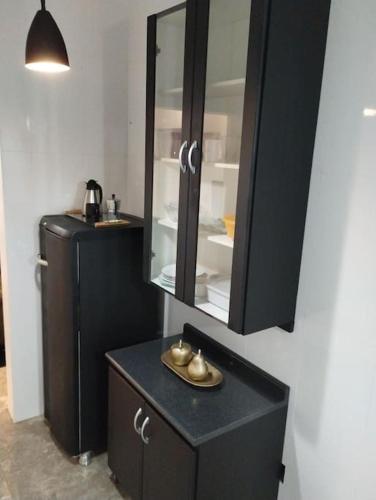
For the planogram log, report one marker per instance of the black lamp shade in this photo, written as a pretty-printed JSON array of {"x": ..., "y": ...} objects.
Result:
[{"x": 45, "y": 46}]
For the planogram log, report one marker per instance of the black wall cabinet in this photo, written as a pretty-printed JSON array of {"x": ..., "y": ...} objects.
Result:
[{"x": 233, "y": 91}]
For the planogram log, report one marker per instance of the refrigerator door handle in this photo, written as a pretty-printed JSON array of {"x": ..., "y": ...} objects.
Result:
[{"x": 41, "y": 262}]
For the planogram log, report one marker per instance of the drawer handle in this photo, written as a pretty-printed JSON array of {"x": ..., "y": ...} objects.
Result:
[
  {"x": 190, "y": 162},
  {"x": 144, "y": 438},
  {"x": 135, "y": 421},
  {"x": 183, "y": 167}
]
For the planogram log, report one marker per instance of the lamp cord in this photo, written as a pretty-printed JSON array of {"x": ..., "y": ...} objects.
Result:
[{"x": 43, "y": 3}]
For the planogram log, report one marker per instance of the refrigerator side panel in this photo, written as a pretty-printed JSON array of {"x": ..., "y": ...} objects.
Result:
[{"x": 117, "y": 309}]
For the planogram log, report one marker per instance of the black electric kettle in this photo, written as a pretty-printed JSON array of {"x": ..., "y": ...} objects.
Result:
[{"x": 93, "y": 199}]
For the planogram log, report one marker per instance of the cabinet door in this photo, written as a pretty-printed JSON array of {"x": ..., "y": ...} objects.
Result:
[
  {"x": 60, "y": 341},
  {"x": 168, "y": 115},
  {"x": 125, "y": 447},
  {"x": 227, "y": 31},
  {"x": 169, "y": 463}
]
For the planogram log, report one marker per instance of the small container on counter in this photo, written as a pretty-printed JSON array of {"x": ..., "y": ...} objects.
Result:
[{"x": 113, "y": 206}]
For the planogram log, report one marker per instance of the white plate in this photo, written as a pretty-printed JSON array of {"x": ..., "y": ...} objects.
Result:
[{"x": 169, "y": 272}]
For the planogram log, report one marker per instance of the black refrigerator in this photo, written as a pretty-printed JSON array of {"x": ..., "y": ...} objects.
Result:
[{"x": 94, "y": 300}]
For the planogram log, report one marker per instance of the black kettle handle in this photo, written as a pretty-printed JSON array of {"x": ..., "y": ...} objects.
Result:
[{"x": 100, "y": 192}]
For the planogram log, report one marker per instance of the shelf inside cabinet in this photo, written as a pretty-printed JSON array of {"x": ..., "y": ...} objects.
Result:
[
  {"x": 168, "y": 289},
  {"x": 173, "y": 91},
  {"x": 227, "y": 88},
  {"x": 222, "y": 239},
  {"x": 224, "y": 165},
  {"x": 216, "y": 238},
  {"x": 204, "y": 232},
  {"x": 224, "y": 88},
  {"x": 229, "y": 166},
  {"x": 171, "y": 161},
  {"x": 168, "y": 223}
]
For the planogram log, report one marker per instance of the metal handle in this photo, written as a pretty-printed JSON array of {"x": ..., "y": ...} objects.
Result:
[
  {"x": 183, "y": 167},
  {"x": 135, "y": 420},
  {"x": 191, "y": 149},
  {"x": 41, "y": 262},
  {"x": 144, "y": 438}
]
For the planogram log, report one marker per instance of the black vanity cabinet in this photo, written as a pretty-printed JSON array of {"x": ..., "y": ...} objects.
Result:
[
  {"x": 161, "y": 468},
  {"x": 171, "y": 441},
  {"x": 233, "y": 91}
]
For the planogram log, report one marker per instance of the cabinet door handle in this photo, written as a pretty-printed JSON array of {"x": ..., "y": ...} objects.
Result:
[
  {"x": 41, "y": 262},
  {"x": 183, "y": 167},
  {"x": 144, "y": 438},
  {"x": 193, "y": 147},
  {"x": 135, "y": 421}
]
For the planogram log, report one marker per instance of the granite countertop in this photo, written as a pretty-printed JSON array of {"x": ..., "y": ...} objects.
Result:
[{"x": 199, "y": 414}]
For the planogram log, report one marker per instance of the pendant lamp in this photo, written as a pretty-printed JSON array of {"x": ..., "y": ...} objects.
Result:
[{"x": 45, "y": 47}]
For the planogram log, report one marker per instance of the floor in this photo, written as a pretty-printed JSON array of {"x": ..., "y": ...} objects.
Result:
[{"x": 33, "y": 468}]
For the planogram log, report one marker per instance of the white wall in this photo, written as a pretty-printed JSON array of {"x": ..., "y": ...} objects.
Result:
[
  {"x": 56, "y": 131},
  {"x": 330, "y": 359}
]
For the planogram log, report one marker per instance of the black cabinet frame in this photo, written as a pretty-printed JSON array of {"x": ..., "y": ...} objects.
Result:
[
  {"x": 285, "y": 62},
  {"x": 184, "y": 186}
]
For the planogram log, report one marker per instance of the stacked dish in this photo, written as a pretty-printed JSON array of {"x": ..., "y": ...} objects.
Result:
[{"x": 167, "y": 278}]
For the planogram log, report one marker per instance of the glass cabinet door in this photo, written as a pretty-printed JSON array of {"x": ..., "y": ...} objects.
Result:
[
  {"x": 226, "y": 65},
  {"x": 168, "y": 124}
]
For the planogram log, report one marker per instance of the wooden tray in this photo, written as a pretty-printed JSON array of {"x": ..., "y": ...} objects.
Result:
[
  {"x": 213, "y": 379},
  {"x": 111, "y": 223}
]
